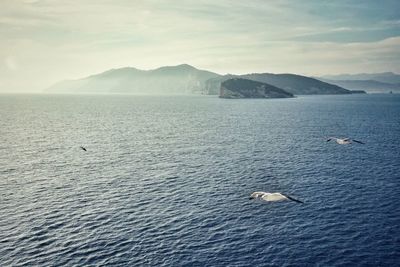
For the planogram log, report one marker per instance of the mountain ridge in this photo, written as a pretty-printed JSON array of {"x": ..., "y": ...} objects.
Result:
[
  {"x": 184, "y": 79},
  {"x": 385, "y": 77},
  {"x": 235, "y": 88},
  {"x": 180, "y": 79},
  {"x": 292, "y": 83},
  {"x": 370, "y": 86}
]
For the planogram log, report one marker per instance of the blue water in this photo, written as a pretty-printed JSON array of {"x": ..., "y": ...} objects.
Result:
[{"x": 165, "y": 181}]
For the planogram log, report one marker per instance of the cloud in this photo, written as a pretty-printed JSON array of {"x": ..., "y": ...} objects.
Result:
[
  {"x": 65, "y": 39},
  {"x": 11, "y": 63}
]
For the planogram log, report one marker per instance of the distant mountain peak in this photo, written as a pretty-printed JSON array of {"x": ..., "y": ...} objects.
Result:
[
  {"x": 117, "y": 71},
  {"x": 180, "y": 79},
  {"x": 185, "y": 66},
  {"x": 385, "y": 77},
  {"x": 181, "y": 67},
  {"x": 120, "y": 69}
]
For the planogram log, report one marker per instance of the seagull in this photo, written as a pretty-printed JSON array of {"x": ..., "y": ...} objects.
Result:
[
  {"x": 272, "y": 197},
  {"x": 344, "y": 141},
  {"x": 84, "y": 149}
]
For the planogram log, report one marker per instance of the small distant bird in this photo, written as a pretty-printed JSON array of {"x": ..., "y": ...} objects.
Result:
[
  {"x": 272, "y": 197},
  {"x": 84, "y": 149},
  {"x": 344, "y": 141}
]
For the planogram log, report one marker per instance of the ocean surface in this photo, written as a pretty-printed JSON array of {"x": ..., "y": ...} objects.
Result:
[{"x": 165, "y": 181}]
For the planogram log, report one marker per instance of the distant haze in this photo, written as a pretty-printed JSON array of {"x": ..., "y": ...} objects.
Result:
[{"x": 43, "y": 41}]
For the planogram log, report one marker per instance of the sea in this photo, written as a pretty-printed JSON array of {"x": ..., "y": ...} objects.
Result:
[{"x": 166, "y": 180}]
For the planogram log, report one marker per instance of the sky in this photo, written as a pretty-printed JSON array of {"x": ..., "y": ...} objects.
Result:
[{"x": 46, "y": 41}]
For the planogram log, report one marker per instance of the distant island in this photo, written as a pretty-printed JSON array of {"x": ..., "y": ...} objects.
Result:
[
  {"x": 371, "y": 82},
  {"x": 185, "y": 79},
  {"x": 292, "y": 83},
  {"x": 384, "y": 77},
  {"x": 244, "y": 88},
  {"x": 370, "y": 86}
]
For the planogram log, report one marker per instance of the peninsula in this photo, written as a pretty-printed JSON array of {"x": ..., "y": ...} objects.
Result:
[{"x": 244, "y": 88}]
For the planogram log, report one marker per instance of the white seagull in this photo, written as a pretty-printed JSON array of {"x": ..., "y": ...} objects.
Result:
[
  {"x": 344, "y": 141},
  {"x": 272, "y": 197}
]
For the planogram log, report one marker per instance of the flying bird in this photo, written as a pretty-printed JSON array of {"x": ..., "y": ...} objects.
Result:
[
  {"x": 84, "y": 149},
  {"x": 344, "y": 141},
  {"x": 272, "y": 197}
]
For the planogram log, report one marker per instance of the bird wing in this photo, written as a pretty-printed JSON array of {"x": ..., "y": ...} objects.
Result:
[
  {"x": 83, "y": 148},
  {"x": 359, "y": 142},
  {"x": 293, "y": 199},
  {"x": 331, "y": 138},
  {"x": 257, "y": 194}
]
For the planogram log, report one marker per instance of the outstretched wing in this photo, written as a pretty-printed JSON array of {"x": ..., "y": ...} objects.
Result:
[
  {"x": 256, "y": 195},
  {"x": 359, "y": 142},
  {"x": 293, "y": 199},
  {"x": 83, "y": 148}
]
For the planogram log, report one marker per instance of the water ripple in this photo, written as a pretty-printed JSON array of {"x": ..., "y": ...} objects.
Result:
[{"x": 165, "y": 184}]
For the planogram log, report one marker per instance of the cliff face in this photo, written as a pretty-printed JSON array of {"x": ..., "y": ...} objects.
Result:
[{"x": 243, "y": 88}]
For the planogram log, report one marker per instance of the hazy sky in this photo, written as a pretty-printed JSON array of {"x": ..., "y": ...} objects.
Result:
[{"x": 45, "y": 41}]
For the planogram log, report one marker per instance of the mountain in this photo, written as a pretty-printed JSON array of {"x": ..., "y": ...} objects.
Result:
[
  {"x": 244, "y": 88},
  {"x": 185, "y": 79},
  {"x": 181, "y": 79},
  {"x": 384, "y": 77},
  {"x": 292, "y": 83},
  {"x": 213, "y": 85},
  {"x": 371, "y": 86}
]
